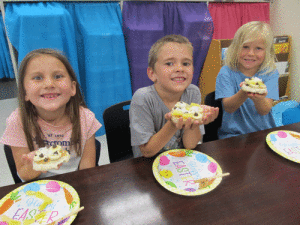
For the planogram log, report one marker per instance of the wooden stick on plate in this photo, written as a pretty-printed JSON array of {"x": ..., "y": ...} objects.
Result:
[
  {"x": 219, "y": 175},
  {"x": 66, "y": 216},
  {"x": 204, "y": 182}
]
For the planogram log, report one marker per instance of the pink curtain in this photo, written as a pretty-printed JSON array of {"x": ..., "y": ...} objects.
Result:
[{"x": 228, "y": 17}]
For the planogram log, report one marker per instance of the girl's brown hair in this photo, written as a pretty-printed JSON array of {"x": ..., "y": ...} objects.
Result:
[{"x": 28, "y": 111}]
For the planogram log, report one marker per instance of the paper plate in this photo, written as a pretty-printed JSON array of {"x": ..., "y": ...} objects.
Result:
[
  {"x": 185, "y": 172},
  {"x": 285, "y": 143},
  {"x": 42, "y": 201}
]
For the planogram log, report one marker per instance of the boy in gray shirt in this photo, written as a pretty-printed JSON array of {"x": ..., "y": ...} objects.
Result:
[{"x": 171, "y": 69}]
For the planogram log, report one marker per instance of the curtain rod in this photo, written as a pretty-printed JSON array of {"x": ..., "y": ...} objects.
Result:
[{"x": 241, "y": 1}]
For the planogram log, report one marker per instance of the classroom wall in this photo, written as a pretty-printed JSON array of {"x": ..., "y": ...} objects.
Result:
[{"x": 285, "y": 19}]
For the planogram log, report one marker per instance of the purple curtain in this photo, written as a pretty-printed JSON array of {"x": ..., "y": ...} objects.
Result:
[{"x": 146, "y": 22}]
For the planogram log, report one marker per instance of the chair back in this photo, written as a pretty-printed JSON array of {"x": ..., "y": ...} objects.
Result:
[
  {"x": 11, "y": 164},
  {"x": 278, "y": 113},
  {"x": 116, "y": 122},
  {"x": 211, "y": 129},
  {"x": 98, "y": 151}
]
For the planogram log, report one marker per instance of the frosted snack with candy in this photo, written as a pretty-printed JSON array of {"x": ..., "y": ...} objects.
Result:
[
  {"x": 49, "y": 158},
  {"x": 185, "y": 111},
  {"x": 254, "y": 85}
]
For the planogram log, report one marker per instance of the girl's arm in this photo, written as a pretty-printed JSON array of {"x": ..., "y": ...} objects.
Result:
[
  {"x": 231, "y": 104},
  {"x": 262, "y": 104},
  {"x": 24, "y": 163},
  {"x": 159, "y": 140},
  {"x": 88, "y": 158}
]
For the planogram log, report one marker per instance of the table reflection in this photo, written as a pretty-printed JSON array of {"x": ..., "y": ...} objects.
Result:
[{"x": 131, "y": 209}]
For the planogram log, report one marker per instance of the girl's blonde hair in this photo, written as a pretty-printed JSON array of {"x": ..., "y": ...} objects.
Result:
[
  {"x": 249, "y": 32},
  {"x": 28, "y": 111},
  {"x": 153, "y": 53}
]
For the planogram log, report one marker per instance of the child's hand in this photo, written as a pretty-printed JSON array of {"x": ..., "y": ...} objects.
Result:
[
  {"x": 28, "y": 158},
  {"x": 256, "y": 96},
  {"x": 209, "y": 114}
]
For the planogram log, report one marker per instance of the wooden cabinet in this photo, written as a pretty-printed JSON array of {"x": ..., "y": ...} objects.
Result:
[
  {"x": 216, "y": 54},
  {"x": 282, "y": 46}
]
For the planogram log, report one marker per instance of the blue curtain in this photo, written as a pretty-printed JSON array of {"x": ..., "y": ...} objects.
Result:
[
  {"x": 103, "y": 53},
  {"x": 146, "y": 22},
  {"x": 91, "y": 36},
  {"x": 41, "y": 25},
  {"x": 6, "y": 68}
]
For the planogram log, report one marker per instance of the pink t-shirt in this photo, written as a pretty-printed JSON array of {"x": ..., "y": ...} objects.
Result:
[{"x": 59, "y": 135}]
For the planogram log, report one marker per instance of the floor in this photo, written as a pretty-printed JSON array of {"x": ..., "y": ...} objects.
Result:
[{"x": 7, "y": 106}]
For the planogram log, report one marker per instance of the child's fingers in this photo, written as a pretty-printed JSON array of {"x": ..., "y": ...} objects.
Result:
[
  {"x": 168, "y": 116},
  {"x": 197, "y": 123},
  {"x": 217, "y": 111},
  {"x": 208, "y": 118},
  {"x": 59, "y": 165},
  {"x": 211, "y": 116},
  {"x": 188, "y": 123},
  {"x": 215, "y": 114},
  {"x": 256, "y": 96},
  {"x": 28, "y": 157},
  {"x": 179, "y": 124}
]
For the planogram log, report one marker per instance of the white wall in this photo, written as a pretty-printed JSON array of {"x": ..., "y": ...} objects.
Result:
[{"x": 285, "y": 20}]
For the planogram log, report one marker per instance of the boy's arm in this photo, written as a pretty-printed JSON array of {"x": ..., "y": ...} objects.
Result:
[
  {"x": 192, "y": 134},
  {"x": 24, "y": 163},
  {"x": 159, "y": 140},
  {"x": 88, "y": 158},
  {"x": 191, "y": 137}
]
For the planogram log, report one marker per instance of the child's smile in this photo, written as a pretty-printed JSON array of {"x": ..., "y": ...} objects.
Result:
[
  {"x": 48, "y": 84},
  {"x": 50, "y": 96},
  {"x": 179, "y": 79}
]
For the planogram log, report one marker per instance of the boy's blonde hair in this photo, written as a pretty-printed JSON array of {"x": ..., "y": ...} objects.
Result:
[
  {"x": 249, "y": 32},
  {"x": 28, "y": 111},
  {"x": 153, "y": 53}
]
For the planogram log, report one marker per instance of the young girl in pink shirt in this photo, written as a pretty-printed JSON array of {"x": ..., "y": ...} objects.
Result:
[{"x": 51, "y": 112}]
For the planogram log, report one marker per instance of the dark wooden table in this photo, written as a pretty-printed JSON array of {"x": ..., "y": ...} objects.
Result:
[{"x": 263, "y": 188}]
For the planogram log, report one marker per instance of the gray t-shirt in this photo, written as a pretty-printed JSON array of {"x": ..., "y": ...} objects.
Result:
[{"x": 147, "y": 116}]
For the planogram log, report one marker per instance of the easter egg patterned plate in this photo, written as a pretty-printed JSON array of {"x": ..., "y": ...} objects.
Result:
[
  {"x": 285, "y": 143},
  {"x": 39, "y": 202},
  {"x": 186, "y": 172}
]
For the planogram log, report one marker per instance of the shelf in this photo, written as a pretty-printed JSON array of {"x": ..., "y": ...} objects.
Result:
[{"x": 284, "y": 75}]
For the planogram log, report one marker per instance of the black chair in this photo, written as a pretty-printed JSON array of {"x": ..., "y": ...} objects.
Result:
[
  {"x": 98, "y": 151},
  {"x": 12, "y": 165},
  {"x": 116, "y": 122},
  {"x": 211, "y": 129}
]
